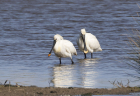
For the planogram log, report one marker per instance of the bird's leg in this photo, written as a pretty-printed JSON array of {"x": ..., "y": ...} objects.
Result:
[
  {"x": 85, "y": 55},
  {"x": 60, "y": 60},
  {"x": 72, "y": 61},
  {"x": 91, "y": 55}
]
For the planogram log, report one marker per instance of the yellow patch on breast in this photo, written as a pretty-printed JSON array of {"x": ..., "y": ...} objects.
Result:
[{"x": 58, "y": 49}]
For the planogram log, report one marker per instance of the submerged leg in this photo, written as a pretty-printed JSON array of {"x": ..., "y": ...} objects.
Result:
[
  {"x": 85, "y": 55},
  {"x": 91, "y": 55},
  {"x": 60, "y": 60}
]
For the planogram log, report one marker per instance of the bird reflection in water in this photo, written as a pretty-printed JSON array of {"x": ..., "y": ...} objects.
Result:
[
  {"x": 89, "y": 61},
  {"x": 63, "y": 75},
  {"x": 81, "y": 74},
  {"x": 88, "y": 72}
]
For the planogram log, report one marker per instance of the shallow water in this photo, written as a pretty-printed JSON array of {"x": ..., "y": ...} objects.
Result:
[
  {"x": 131, "y": 94},
  {"x": 26, "y": 35}
]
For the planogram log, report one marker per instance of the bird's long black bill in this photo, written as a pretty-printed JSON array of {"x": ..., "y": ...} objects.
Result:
[
  {"x": 85, "y": 48},
  {"x": 52, "y": 48}
]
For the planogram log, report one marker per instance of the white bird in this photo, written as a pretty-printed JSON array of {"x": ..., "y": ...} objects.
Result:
[
  {"x": 62, "y": 48},
  {"x": 88, "y": 43}
]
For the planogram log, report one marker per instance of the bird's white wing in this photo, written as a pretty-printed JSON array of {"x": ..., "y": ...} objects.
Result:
[
  {"x": 70, "y": 47},
  {"x": 92, "y": 42}
]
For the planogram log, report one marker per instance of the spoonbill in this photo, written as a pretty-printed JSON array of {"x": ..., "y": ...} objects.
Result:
[
  {"x": 88, "y": 43},
  {"x": 63, "y": 48}
]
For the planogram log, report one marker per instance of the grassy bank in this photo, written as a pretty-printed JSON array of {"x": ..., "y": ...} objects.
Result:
[{"x": 13, "y": 90}]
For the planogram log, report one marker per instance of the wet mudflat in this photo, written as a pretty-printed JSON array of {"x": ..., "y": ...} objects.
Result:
[{"x": 51, "y": 91}]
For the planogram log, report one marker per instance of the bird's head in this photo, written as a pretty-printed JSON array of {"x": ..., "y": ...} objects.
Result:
[
  {"x": 56, "y": 38},
  {"x": 83, "y": 32}
]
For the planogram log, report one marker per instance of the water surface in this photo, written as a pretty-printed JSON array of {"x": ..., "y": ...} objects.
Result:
[{"x": 26, "y": 35}]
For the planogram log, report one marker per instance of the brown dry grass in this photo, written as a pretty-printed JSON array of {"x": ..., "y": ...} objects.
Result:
[
  {"x": 51, "y": 91},
  {"x": 134, "y": 42}
]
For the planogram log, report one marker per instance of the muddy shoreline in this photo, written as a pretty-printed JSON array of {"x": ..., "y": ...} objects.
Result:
[{"x": 14, "y": 90}]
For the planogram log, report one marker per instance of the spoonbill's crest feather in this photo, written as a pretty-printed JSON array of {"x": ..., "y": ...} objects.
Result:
[{"x": 58, "y": 37}]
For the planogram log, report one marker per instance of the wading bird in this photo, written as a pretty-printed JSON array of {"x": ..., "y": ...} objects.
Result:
[
  {"x": 62, "y": 48},
  {"x": 88, "y": 43}
]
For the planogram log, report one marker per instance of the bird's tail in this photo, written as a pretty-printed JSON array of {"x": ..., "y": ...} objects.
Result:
[
  {"x": 75, "y": 53},
  {"x": 100, "y": 49}
]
